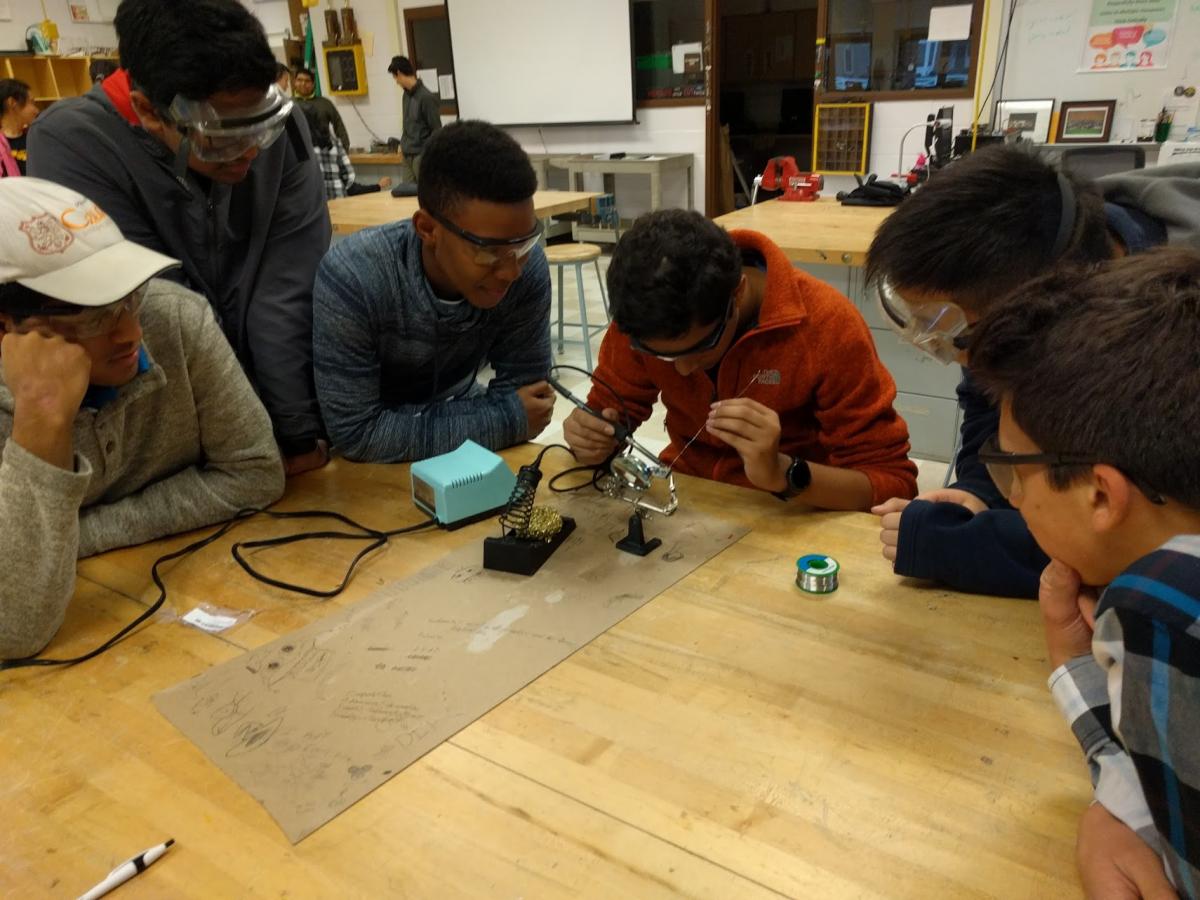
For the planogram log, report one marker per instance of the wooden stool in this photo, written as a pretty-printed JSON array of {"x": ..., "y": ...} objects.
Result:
[{"x": 561, "y": 256}]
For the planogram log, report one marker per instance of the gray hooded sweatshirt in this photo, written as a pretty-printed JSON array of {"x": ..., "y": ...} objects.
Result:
[{"x": 1169, "y": 196}]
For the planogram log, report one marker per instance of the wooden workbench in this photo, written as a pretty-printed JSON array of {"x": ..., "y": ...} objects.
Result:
[
  {"x": 377, "y": 159},
  {"x": 732, "y": 738},
  {"x": 819, "y": 232},
  {"x": 350, "y": 214}
]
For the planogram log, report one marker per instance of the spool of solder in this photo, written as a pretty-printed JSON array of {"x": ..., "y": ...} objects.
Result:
[{"x": 817, "y": 573}]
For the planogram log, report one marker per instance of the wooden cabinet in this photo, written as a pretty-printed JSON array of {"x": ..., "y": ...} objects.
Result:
[
  {"x": 769, "y": 46},
  {"x": 50, "y": 78}
]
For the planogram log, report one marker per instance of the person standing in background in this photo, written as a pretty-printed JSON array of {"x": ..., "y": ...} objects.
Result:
[
  {"x": 306, "y": 98},
  {"x": 17, "y": 112},
  {"x": 421, "y": 115}
]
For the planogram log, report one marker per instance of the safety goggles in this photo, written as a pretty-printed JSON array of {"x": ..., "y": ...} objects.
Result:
[
  {"x": 494, "y": 251},
  {"x": 703, "y": 346},
  {"x": 225, "y": 136},
  {"x": 1001, "y": 466},
  {"x": 940, "y": 329},
  {"x": 79, "y": 325}
]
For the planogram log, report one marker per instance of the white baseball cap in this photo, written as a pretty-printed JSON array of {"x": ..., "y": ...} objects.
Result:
[{"x": 55, "y": 241}]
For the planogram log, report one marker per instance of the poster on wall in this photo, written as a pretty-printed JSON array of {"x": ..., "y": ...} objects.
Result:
[{"x": 1128, "y": 35}]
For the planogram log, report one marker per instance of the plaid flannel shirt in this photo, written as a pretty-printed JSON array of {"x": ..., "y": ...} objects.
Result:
[
  {"x": 1134, "y": 704},
  {"x": 336, "y": 169}
]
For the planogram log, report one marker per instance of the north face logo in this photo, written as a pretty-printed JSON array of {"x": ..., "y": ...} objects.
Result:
[
  {"x": 47, "y": 235},
  {"x": 769, "y": 376}
]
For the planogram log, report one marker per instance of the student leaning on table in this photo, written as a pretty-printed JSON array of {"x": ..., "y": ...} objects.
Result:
[
  {"x": 1097, "y": 375},
  {"x": 407, "y": 314},
  {"x": 124, "y": 415},
  {"x": 953, "y": 252}
]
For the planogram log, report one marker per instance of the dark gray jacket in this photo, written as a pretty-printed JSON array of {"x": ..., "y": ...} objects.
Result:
[
  {"x": 252, "y": 248},
  {"x": 422, "y": 117}
]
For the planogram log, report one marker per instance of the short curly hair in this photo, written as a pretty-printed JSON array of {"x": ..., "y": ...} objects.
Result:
[
  {"x": 671, "y": 271},
  {"x": 473, "y": 160}
]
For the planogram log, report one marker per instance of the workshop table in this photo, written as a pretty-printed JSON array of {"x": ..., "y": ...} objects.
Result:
[{"x": 734, "y": 737}]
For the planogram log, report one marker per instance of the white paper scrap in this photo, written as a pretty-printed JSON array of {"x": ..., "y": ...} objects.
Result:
[{"x": 209, "y": 622}]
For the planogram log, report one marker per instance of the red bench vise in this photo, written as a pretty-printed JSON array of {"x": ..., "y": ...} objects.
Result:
[{"x": 782, "y": 174}]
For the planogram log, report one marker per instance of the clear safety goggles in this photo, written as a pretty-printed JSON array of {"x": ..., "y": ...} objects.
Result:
[
  {"x": 79, "y": 325},
  {"x": 493, "y": 252},
  {"x": 939, "y": 329},
  {"x": 226, "y": 136}
]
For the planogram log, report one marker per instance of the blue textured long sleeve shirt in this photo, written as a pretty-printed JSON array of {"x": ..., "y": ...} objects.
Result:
[{"x": 396, "y": 366}]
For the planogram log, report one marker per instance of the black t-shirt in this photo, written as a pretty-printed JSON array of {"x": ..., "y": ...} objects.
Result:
[{"x": 18, "y": 151}]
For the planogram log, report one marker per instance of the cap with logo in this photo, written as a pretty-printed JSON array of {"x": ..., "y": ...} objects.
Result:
[{"x": 55, "y": 241}]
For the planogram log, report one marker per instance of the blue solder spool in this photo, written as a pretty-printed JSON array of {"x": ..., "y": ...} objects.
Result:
[{"x": 817, "y": 574}]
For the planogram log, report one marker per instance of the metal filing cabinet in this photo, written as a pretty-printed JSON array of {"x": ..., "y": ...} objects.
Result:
[{"x": 925, "y": 397}]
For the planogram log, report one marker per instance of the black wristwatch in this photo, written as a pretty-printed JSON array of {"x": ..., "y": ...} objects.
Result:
[{"x": 799, "y": 477}]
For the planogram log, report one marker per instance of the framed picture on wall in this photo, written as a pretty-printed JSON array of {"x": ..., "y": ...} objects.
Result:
[
  {"x": 1029, "y": 118},
  {"x": 1085, "y": 121}
]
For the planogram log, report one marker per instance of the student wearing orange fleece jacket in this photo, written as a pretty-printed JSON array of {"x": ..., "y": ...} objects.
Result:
[{"x": 774, "y": 370}]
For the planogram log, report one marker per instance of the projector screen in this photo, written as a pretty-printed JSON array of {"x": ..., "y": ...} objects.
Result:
[{"x": 542, "y": 62}]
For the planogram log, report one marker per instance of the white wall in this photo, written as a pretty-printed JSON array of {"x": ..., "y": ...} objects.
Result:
[
  {"x": 380, "y": 108},
  {"x": 1043, "y": 57},
  {"x": 275, "y": 20},
  {"x": 1047, "y": 46},
  {"x": 72, "y": 36}
]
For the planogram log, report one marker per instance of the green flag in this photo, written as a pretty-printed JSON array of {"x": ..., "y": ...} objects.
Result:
[{"x": 310, "y": 57}]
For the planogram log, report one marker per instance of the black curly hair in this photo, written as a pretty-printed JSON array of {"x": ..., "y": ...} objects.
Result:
[
  {"x": 473, "y": 160},
  {"x": 672, "y": 270},
  {"x": 193, "y": 48}
]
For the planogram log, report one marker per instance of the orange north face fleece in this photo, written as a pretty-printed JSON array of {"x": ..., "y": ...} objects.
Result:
[{"x": 818, "y": 370}]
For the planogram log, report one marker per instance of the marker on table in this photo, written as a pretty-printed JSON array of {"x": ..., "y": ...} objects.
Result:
[{"x": 127, "y": 870}]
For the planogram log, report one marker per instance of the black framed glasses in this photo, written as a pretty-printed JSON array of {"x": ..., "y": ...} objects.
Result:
[
  {"x": 703, "y": 346},
  {"x": 1001, "y": 466},
  {"x": 493, "y": 251}
]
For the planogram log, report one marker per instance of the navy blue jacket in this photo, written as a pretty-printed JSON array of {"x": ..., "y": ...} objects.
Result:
[{"x": 992, "y": 552}]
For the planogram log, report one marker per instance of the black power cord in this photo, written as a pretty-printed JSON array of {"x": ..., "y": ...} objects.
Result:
[{"x": 375, "y": 538}]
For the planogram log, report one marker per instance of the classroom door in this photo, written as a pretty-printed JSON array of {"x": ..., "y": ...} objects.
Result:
[{"x": 760, "y": 93}]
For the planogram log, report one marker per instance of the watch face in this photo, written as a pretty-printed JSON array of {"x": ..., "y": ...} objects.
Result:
[{"x": 799, "y": 475}]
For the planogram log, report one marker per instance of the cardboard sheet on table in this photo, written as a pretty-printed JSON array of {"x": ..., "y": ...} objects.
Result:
[{"x": 314, "y": 721}]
